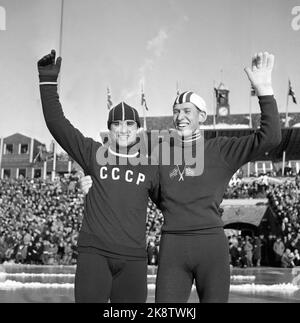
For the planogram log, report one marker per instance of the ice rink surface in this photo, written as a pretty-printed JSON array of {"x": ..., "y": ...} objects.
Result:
[{"x": 54, "y": 284}]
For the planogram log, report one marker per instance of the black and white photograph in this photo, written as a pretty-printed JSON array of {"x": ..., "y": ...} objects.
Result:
[{"x": 149, "y": 154}]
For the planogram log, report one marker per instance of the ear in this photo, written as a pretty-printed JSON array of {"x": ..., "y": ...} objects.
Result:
[
  {"x": 140, "y": 130},
  {"x": 202, "y": 116}
]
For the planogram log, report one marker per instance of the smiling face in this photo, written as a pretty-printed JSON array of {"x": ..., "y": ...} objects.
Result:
[
  {"x": 124, "y": 133},
  {"x": 186, "y": 118}
]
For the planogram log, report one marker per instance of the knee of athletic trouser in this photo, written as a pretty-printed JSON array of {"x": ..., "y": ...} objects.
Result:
[
  {"x": 91, "y": 291},
  {"x": 130, "y": 286},
  {"x": 214, "y": 289},
  {"x": 174, "y": 287},
  {"x": 92, "y": 279}
]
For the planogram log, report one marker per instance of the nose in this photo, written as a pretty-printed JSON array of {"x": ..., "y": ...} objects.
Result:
[
  {"x": 181, "y": 115},
  {"x": 124, "y": 128}
]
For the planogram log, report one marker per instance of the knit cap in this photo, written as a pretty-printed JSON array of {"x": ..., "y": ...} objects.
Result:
[
  {"x": 122, "y": 112},
  {"x": 191, "y": 97}
]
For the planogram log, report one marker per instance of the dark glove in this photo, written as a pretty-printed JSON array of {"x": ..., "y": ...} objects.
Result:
[{"x": 48, "y": 68}]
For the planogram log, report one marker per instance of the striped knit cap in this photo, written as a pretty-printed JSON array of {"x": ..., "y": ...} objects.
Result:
[
  {"x": 122, "y": 112},
  {"x": 191, "y": 97}
]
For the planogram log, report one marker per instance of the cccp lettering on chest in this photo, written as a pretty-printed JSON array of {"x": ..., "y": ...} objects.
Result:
[{"x": 117, "y": 174}]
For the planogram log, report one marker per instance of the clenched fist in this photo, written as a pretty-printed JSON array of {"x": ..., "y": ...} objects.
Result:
[{"x": 49, "y": 68}]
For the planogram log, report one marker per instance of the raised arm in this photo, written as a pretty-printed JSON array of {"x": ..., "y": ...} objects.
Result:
[
  {"x": 238, "y": 151},
  {"x": 69, "y": 138}
]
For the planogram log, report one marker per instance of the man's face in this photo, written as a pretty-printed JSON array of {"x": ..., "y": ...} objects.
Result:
[
  {"x": 186, "y": 118},
  {"x": 124, "y": 132}
]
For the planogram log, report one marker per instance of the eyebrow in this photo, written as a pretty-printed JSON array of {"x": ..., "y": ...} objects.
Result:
[
  {"x": 184, "y": 109},
  {"x": 119, "y": 121}
]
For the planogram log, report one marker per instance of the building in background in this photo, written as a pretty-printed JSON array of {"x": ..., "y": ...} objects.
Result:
[{"x": 22, "y": 156}]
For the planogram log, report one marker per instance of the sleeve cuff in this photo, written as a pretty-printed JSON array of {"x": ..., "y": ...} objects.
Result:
[
  {"x": 48, "y": 83},
  {"x": 266, "y": 97}
]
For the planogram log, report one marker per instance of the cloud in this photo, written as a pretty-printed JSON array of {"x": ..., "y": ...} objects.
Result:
[
  {"x": 156, "y": 46},
  {"x": 157, "y": 43}
]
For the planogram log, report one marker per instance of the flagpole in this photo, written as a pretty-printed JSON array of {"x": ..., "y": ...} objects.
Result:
[
  {"x": 283, "y": 163},
  {"x": 250, "y": 110},
  {"x": 177, "y": 88},
  {"x": 61, "y": 27},
  {"x": 45, "y": 170},
  {"x": 61, "y": 37},
  {"x": 59, "y": 78},
  {"x": 109, "y": 100},
  {"x": 54, "y": 161},
  {"x": 286, "y": 108},
  {"x": 144, "y": 110},
  {"x": 214, "y": 104}
]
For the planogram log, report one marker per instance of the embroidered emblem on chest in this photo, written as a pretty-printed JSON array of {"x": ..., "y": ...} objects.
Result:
[{"x": 187, "y": 171}]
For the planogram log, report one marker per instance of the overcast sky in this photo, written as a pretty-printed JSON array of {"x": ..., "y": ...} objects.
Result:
[{"x": 122, "y": 43}]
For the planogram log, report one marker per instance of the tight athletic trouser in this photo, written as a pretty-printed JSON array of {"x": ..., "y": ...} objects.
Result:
[
  {"x": 99, "y": 279},
  {"x": 185, "y": 258}
]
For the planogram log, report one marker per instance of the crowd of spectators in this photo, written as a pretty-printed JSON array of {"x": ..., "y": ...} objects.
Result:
[
  {"x": 250, "y": 188},
  {"x": 256, "y": 251},
  {"x": 245, "y": 251},
  {"x": 285, "y": 205},
  {"x": 40, "y": 221},
  {"x": 280, "y": 249}
]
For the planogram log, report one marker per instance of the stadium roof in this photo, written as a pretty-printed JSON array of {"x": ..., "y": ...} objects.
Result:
[{"x": 231, "y": 121}]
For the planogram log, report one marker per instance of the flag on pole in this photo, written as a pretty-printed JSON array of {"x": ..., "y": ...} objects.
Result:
[
  {"x": 220, "y": 93},
  {"x": 177, "y": 86},
  {"x": 221, "y": 97},
  {"x": 109, "y": 101},
  {"x": 144, "y": 106},
  {"x": 252, "y": 91},
  {"x": 292, "y": 93},
  {"x": 214, "y": 104},
  {"x": 216, "y": 95},
  {"x": 143, "y": 101}
]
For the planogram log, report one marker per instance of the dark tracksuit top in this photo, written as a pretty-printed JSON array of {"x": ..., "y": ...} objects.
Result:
[
  {"x": 190, "y": 202},
  {"x": 114, "y": 222}
]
